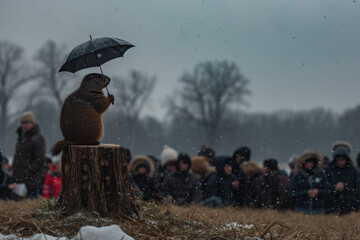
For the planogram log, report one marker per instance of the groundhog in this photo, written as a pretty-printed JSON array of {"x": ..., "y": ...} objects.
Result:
[{"x": 81, "y": 113}]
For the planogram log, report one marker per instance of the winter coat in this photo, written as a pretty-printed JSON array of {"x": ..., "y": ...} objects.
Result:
[
  {"x": 5, "y": 192},
  {"x": 220, "y": 185},
  {"x": 184, "y": 187},
  {"x": 278, "y": 190},
  {"x": 347, "y": 200},
  {"x": 29, "y": 160},
  {"x": 241, "y": 177},
  {"x": 203, "y": 171},
  {"x": 254, "y": 195},
  {"x": 303, "y": 181},
  {"x": 144, "y": 184},
  {"x": 52, "y": 185},
  {"x": 4, "y": 182}
]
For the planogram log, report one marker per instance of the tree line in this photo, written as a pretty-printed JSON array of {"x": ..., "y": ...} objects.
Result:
[{"x": 206, "y": 109}]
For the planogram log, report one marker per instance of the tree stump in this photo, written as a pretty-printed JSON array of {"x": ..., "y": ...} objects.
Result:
[{"x": 94, "y": 178}]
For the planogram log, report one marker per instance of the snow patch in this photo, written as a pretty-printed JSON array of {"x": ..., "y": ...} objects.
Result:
[
  {"x": 105, "y": 233},
  {"x": 237, "y": 226},
  {"x": 87, "y": 232}
]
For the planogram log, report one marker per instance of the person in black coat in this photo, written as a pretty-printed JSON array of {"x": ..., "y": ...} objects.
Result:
[
  {"x": 7, "y": 186},
  {"x": 255, "y": 196},
  {"x": 310, "y": 186},
  {"x": 277, "y": 185},
  {"x": 141, "y": 173},
  {"x": 222, "y": 186},
  {"x": 201, "y": 168},
  {"x": 344, "y": 179},
  {"x": 183, "y": 186},
  {"x": 29, "y": 160},
  {"x": 240, "y": 155}
]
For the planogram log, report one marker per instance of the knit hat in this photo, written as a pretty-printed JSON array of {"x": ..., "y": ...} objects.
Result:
[
  {"x": 271, "y": 163},
  {"x": 168, "y": 154},
  {"x": 27, "y": 117},
  {"x": 341, "y": 149}
]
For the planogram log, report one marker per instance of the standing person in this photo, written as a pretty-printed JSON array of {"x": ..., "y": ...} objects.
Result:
[
  {"x": 203, "y": 171},
  {"x": 221, "y": 186},
  {"x": 141, "y": 173},
  {"x": 344, "y": 179},
  {"x": 240, "y": 155},
  {"x": 255, "y": 185},
  {"x": 29, "y": 159},
  {"x": 52, "y": 182},
  {"x": 310, "y": 186},
  {"x": 183, "y": 186},
  {"x": 278, "y": 186}
]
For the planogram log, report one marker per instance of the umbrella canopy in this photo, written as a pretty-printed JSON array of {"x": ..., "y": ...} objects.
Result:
[{"x": 94, "y": 52}]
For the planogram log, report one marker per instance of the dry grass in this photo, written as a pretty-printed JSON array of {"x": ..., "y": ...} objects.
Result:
[{"x": 172, "y": 222}]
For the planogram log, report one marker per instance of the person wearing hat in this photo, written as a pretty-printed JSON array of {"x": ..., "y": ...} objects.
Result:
[
  {"x": 255, "y": 196},
  {"x": 141, "y": 174},
  {"x": 183, "y": 186},
  {"x": 168, "y": 159},
  {"x": 310, "y": 187},
  {"x": 203, "y": 171},
  {"x": 344, "y": 180},
  {"x": 29, "y": 160},
  {"x": 222, "y": 186},
  {"x": 277, "y": 184},
  {"x": 207, "y": 153}
]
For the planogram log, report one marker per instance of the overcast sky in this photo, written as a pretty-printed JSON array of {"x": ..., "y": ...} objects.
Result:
[{"x": 297, "y": 54}]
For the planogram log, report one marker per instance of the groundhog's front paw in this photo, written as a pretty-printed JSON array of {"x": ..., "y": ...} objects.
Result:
[{"x": 111, "y": 98}]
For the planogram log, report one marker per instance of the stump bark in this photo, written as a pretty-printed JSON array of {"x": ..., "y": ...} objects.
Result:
[{"x": 94, "y": 178}]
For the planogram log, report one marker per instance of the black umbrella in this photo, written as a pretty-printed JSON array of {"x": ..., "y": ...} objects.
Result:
[{"x": 94, "y": 52}]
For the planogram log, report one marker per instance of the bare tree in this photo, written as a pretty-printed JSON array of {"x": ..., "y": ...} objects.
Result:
[
  {"x": 134, "y": 93},
  {"x": 13, "y": 76},
  {"x": 50, "y": 57},
  {"x": 208, "y": 92}
]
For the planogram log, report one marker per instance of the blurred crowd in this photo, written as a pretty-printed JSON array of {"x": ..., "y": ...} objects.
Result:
[{"x": 315, "y": 183}]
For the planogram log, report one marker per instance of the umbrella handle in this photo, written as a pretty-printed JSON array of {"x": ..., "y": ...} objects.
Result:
[{"x": 107, "y": 90}]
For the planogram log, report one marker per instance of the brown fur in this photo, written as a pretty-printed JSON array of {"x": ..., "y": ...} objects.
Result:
[
  {"x": 341, "y": 143},
  {"x": 201, "y": 168},
  {"x": 81, "y": 114},
  {"x": 136, "y": 161},
  {"x": 250, "y": 168},
  {"x": 307, "y": 155}
]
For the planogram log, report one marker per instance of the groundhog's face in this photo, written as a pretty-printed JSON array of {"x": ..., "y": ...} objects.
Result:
[{"x": 94, "y": 82}]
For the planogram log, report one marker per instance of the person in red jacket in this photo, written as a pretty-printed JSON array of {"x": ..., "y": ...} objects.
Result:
[{"x": 52, "y": 182}]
